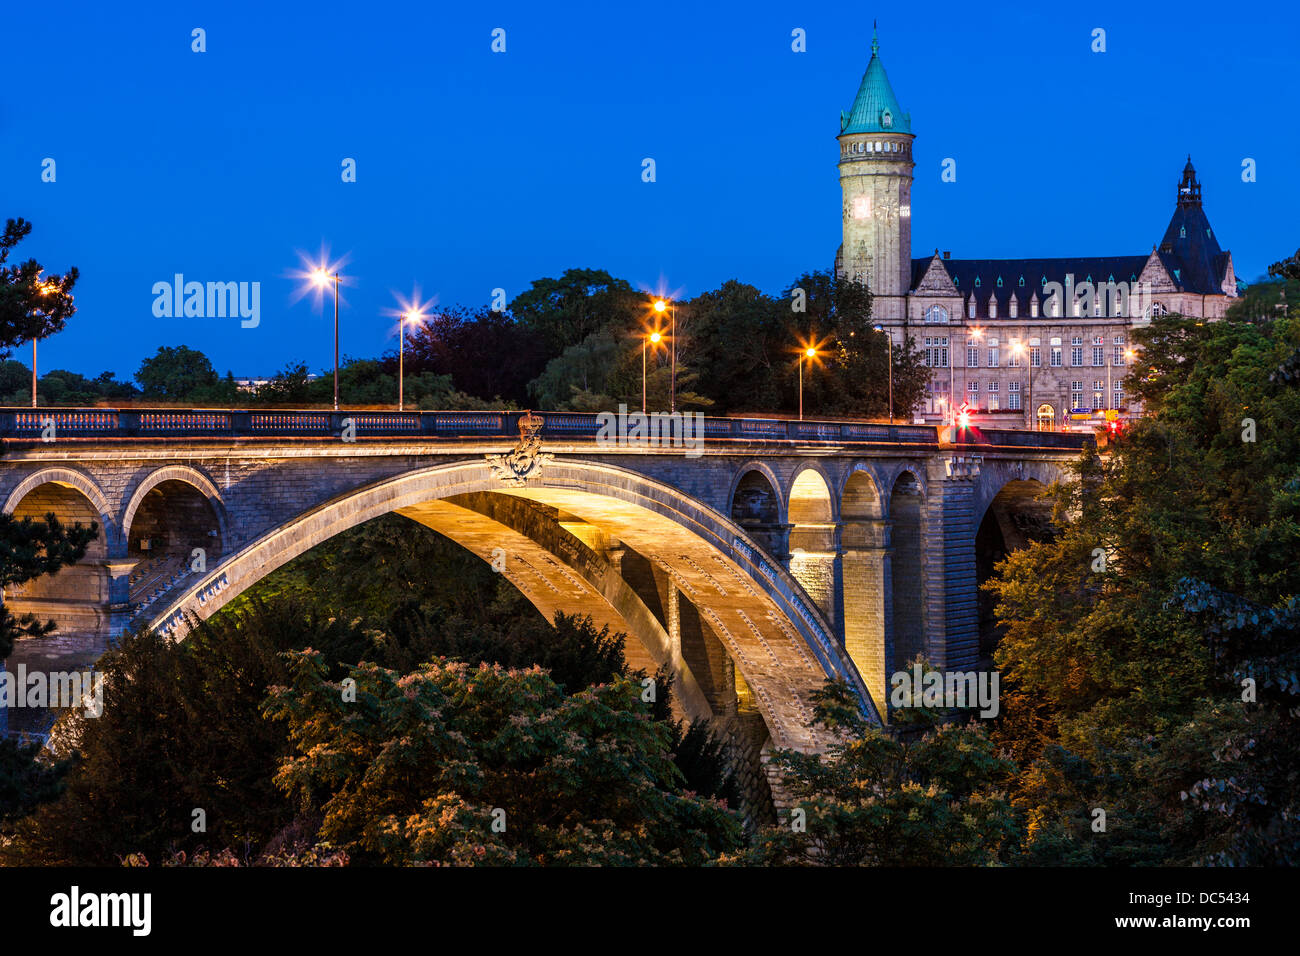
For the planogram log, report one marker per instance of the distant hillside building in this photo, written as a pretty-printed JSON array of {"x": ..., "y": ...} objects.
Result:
[{"x": 983, "y": 323}]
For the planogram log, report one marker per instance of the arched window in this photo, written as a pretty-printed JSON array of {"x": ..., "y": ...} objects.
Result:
[
  {"x": 1156, "y": 308},
  {"x": 936, "y": 315},
  {"x": 1046, "y": 417}
]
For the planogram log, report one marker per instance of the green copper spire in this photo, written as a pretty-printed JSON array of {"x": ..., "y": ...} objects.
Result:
[{"x": 876, "y": 109}]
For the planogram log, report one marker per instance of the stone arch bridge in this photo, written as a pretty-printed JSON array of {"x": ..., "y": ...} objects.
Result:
[{"x": 767, "y": 558}]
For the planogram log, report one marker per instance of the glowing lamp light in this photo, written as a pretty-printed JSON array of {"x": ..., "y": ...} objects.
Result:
[
  {"x": 660, "y": 305},
  {"x": 654, "y": 338},
  {"x": 964, "y": 420},
  {"x": 320, "y": 278},
  {"x": 810, "y": 352}
]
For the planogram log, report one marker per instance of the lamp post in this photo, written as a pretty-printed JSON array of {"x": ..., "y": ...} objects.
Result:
[
  {"x": 322, "y": 278},
  {"x": 808, "y": 353},
  {"x": 401, "y": 364},
  {"x": 889, "y": 339},
  {"x": 46, "y": 288},
  {"x": 653, "y": 338},
  {"x": 671, "y": 307}
]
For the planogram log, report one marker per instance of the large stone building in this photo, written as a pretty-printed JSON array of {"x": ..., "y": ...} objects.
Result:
[{"x": 1018, "y": 341}]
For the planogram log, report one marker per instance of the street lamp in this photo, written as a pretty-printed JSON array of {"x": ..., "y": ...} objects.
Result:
[
  {"x": 660, "y": 306},
  {"x": 412, "y": 316},
  {"x": 810, "y": 353},
  {"x": 321, "y": 279},
  {"x": 653, "y": 338},
  {"x": 889, "y": 338},
  {"x": 46, "y": 288}
]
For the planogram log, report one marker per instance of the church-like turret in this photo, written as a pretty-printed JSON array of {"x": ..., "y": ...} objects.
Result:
[{"x": 876, "y": 186}]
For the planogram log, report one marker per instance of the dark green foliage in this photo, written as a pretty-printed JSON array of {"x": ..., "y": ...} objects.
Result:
[
  {"x": 463, "y": 765},
  {"x": 1126, "y": 688},
  {"x": 26, "y": 780},
  {"x": 877, "y": 800},
  {"x": 32, "y": 306}
]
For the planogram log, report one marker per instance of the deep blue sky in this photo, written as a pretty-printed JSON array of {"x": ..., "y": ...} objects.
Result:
[{"x": 478, "y": 170}]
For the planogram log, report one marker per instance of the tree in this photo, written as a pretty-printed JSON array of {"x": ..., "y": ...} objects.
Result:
[
  {"x": 488, "y": 355},
  {"x": 1126, "y": 683},
  {"x": 879, "y": 800},
  {"x": 468, "y": 765},
  {"x": 176, "y": 374},
  {"x": 857, "y": 374},
  {"x": 566, "y": 310},
  {"x": 30, "y": 307}
]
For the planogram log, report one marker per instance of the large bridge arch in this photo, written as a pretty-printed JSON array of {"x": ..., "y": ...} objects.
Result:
[{"x": 779, "y": 642}]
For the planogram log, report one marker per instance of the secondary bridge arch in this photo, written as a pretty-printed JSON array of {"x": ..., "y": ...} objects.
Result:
[{"x": 779, "y": 642}]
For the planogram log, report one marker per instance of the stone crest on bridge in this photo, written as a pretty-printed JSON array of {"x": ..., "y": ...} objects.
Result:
[{"x": 525, "y": 460}]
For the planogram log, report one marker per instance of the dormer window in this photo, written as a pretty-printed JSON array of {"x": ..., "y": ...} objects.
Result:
[
  {"x": 977, "y": 282},
  {"x": 1182, "y": 232},
  {"x": 999, "y": 282},
  {"x": 1022, "y": 281},
  {"x": 886, "y": 119},
  {"x": 970, "y": 308}
]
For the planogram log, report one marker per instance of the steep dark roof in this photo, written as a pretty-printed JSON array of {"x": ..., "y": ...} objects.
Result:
[
  {"x": 981, "y": 277},
  {"x": 1189, "y": 250}
]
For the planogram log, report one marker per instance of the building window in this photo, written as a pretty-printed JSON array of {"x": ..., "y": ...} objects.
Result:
[
  {"x": 1046, "y": 417},
  {"x": 994, "y": 399},
  {"x": 972, "y": 356},
  {"x": 1098, "y": 351},
  {"x": 1035, "y": 356},
  {"x": 993, "y": 356},
  {"x": 1076, "y": 351},
  {"x": 1117, "y": 396},
  {"x": 970, "y": 308},
  {"x": 1056, "y": 356},
  {"x": 1012, "y": 308},
  {"x": 1076, "y": 395},
  {"x": 936, "y": 315},
  {"x": 1117, "y": 356},
  {"x": 1013, "y": 396},
  {"x": 973, "y": 395},
  {"x": 1156, "y": 308},
  {"x": 936, "y": 352},
  {"x": 1098, "y": 395},
  {"x": 1013, "y": 359}
]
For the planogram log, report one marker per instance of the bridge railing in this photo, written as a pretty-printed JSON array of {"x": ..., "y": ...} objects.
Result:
[{"x": 53, "y": 423}]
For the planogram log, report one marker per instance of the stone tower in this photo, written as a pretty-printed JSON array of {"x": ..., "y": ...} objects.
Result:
[{"x": 876, "y": 186}]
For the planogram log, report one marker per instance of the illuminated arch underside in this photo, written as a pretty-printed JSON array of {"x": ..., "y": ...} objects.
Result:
[{"x": 753, "y": 619}]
